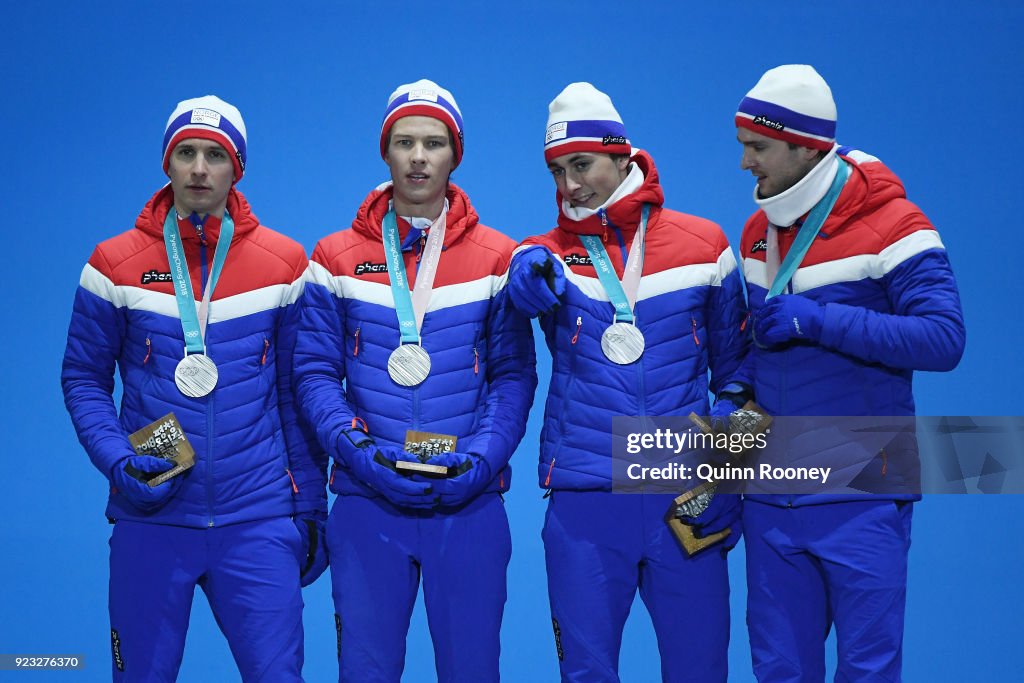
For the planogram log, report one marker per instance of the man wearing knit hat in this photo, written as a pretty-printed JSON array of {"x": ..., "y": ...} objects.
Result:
[
  {"x": 639, "y": 347},
  {"x": 196, "y": 307},
  {"x": 850, "y": 291},
  {"x": 420, "y": 398}
]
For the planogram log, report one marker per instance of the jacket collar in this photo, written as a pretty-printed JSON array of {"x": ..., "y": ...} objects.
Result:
[
  {"x": 370, "y": 217},
  {"x": 623, "y": 213},
  {"x": 151, "y": 219}
]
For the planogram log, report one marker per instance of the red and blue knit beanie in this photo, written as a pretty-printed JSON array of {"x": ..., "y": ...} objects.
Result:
[
  {"x": 209, "y": 118},
  {"x": 423, "y": 98},
  {"x": 792, "y": 103}
]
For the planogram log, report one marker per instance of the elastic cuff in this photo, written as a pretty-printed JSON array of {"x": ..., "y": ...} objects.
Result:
[
  {"x": 736, "y": 392},
  {"x": 350, "y": 441},
  {"x": 117, "y": 464},
  {"x": 824, "y": 337}
]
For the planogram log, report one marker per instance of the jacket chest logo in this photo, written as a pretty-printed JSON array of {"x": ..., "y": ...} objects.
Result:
[
  {"x": 368, "y": 267},
  {"x": 152, "y": 275},
  {"x": 760, "y": 245},
  {"x": 577, "y": 260}
]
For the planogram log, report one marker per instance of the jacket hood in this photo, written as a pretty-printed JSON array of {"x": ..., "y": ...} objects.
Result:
[
  {"x": 871, "y": 185},
  {"x": 370, "y": 217},
  {"x": 151, "y": 219},
  {"x": 625, "y": 213}
]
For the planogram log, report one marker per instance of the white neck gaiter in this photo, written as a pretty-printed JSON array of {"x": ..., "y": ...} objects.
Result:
[
  {"x": 786, "y": 207},
  {"x": 420, "y": 222},
  {"x": 630, "y": 184}
]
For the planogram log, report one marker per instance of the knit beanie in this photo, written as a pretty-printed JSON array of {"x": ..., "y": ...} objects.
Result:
[
  {"x": 583, "y": 119},
  {"x": 210, "y": 118},
  {"x": 423, "y": 98},
  {"x": 792, "y": 103}
]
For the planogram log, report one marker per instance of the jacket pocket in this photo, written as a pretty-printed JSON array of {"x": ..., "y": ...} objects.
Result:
[
  {"x": 572, "y": 351},
  {"x": 265, "y": 364},
  {"x": 147, "y": 362},
  {"x": 478, "y": 352},
  {"x": 354, "y": 344}
]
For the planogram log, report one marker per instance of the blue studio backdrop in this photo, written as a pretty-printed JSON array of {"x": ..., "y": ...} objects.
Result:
[{"x": 931, "y": 88}]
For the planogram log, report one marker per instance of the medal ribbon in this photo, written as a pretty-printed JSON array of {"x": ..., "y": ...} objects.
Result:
[
  {"x": 621, "y": 294},
  {"x": 410, "y": 308},
  {"x": 193, "y": 324},
  {"x": 805, "y": 237}
]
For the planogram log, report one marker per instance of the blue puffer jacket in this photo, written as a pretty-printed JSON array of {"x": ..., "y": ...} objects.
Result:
[
  {"x": 891, "y": 307},
  {"x": 483, "y": 369},
  {"x": 254, "y": 459},
  {"x": 689, "y": 308}
]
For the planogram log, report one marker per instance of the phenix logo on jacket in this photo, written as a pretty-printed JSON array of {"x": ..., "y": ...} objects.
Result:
[
  {"x": 482, "y": 375},
  {"x": 689, "y": 308},
  {"x": 891, "y": 306},
  {"x": 254, "y": 459}
]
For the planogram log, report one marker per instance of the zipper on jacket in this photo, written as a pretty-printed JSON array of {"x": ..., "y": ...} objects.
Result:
[
  {"x": 476, "y": 361},
  {"x": 579, "y": 326},
  {"x": 783, "y": 391},
  {"x": 209, "y": 402},
  {"x": 209, "y": 456},
  {"x": 642, "y": 386},
  {"x": 200, "y": 229},
  {"x": 422, "y": 246},
  {"x": 696, "y": 339},
  {"x": 604, "y": 224},
  {"x": 416, "y": 406},
  {"x": 295, "y": 489},
  {"x": 743, "y": 325},
  {"x": 266, "y": 347},
  {"x": 623, "y": 251},
  {"x": 149, "y": 350},
  {"x": 547, "y": 479},
  {"x": 355, "y": 351},
  {"x": 202, "y": 261}
]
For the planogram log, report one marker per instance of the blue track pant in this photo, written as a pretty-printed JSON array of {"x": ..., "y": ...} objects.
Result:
[
  {"x": 378, "y": 553},
  {"x": 811, "y": 566},
  {"x": 250, "y": 574},
  {"x": 600, "y": 548}
]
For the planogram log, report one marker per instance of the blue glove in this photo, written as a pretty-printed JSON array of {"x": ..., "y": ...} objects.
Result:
[
  {"x": 786, "y": 317},
  {"x": 129, "y": 477},
  {"x": 375, "y": 466},
  {"x": 723, "y": 512},
  {"x": 312, "y": 528},
  {"x": 536, "y": 281},
  {"x": 725, "y": 406},
  {"x": 468, "y": 476}
]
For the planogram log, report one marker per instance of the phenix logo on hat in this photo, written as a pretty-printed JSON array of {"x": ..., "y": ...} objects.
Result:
[
  {"x": 792, "y": 103},
  {"x": 583, "y": 119},
  {"x": 423, "y": 98},
  {"x": 210, "y": 118}
]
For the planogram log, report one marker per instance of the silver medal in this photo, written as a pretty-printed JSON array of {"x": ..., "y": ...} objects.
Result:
[
  {"x": 622, "y": 343},
  {"x": 409, "y": 365},
  {"x": 195, "y": 375}
]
